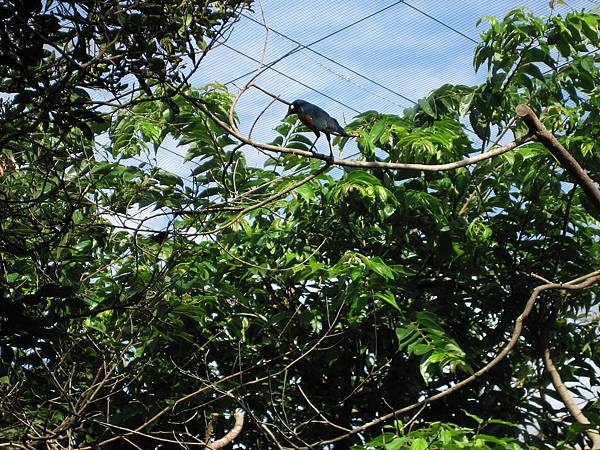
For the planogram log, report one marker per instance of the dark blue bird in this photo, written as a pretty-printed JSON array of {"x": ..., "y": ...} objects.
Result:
[{"x": 317, "y": 121}]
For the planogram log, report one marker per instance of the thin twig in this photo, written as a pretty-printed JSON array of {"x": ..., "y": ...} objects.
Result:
[
  {"x": 276, "y": 97},
  {"x": 319, "y": 413}
]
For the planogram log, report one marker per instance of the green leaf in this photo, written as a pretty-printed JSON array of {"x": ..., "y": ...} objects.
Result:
[
  {"x": 478, "y": 231},
  {"x": 534, "y": 71},
  {"x": 482, "y": 54},
  {"x": 426, "y": 107},
  {"x": 396, "y": 444},
  {"x": 465, "y": 104},
  {"x": 420, "y": 349},
  {"x": 388, "y": 297},
  {"x": 403, "y": 333},
  {"x": 205, "y": 166},
  {"x": 376, "y": 131},
  {"x": 361, "y": 177},
  {"x": 479, "y": 420},
  {"x": 445, "y": 436},
  {"x": 377, "y": 265},
  {"x": 419, "y": 444},
  {"x": 307, "y": 192},
  {"x": 168, "y": 178}
]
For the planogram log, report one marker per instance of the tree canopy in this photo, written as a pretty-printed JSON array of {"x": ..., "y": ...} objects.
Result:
[{"x": 439, "y": 293}]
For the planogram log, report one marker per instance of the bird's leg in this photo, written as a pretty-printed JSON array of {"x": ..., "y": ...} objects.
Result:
[
  {"x": 330, "y": 149},
  {"x": 313, "y": 144}
]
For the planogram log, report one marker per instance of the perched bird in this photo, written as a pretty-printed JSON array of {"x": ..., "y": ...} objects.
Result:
[{"x": 317, "y": 121}]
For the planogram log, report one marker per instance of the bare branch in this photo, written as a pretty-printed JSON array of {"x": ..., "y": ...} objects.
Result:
[
  {"x": 231, "y": 435},
  {"x": 276, "y": 97},
  {"x": 210, "y": 427},
  {"x": 567, "y": 398},
  {"x": 537, "y": 128}
]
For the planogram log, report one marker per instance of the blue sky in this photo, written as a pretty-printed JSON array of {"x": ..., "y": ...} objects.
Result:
[
  {"x": 404, "y": 48},
  {"x": 408, "y": 51}
]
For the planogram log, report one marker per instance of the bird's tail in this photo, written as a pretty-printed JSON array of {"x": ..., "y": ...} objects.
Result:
[{"x": 344, "y": 134}]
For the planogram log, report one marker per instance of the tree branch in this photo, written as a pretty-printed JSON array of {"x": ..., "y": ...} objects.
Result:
[
  {"x": 210, "y": 428},
  {"x": 362, "y": 164},
  {"x": 537, "y": 128},
  {"x": 231, "y": 435},
  {"x": 576, "y": 284},
  {"x": 567, "y": 398}
]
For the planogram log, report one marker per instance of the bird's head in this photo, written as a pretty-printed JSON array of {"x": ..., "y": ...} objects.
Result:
[{"x": 295, "y": 107}]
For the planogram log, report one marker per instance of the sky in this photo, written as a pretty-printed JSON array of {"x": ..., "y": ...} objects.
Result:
[
  {"x": 370, "y": 55},
  {"x": 354, "y": 56},
  {"x": 359, "y": 55}
]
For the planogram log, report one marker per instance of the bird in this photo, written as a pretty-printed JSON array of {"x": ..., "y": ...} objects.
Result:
[{"x": 317, "y": 120}]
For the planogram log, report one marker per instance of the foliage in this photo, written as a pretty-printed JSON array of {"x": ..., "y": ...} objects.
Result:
[
  {"x": 443, "y": 435},
  {"x": 56, "y": 53},
  {"x": 134, "y": 298},
  {"x": 426, "y": 338}
]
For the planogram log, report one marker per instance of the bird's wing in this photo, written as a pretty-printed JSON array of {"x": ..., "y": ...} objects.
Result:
[
  {"x": 307, "y": 119},
  {"x": 334, "y": 127}
]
